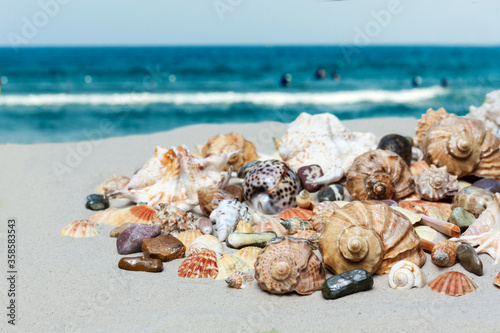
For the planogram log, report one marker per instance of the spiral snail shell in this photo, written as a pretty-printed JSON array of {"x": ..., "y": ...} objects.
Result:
[
  {"x": 405, "y": 275},
  {"x": 434, "y": 184},
  {"x": 379, "y": 174}
]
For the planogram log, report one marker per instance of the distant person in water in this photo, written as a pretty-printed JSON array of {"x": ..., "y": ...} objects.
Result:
[
  {"x": 286, "y": 80},
  {"x": 335, "y": 76},
  {"x": 320, "y": 74},
  {"x": 444, "y": 82},
  {"x": 416, "y": 81}
]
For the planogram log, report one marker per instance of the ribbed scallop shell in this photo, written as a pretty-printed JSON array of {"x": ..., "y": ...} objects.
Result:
[
  {"x": 379, "y": 174},
  {"x": 287, "y": 265},
  {"x": 369, "y": 235},
  {"x": 209, "y": 197},
  {"x": 405, "y": 275},
  {"x": 135, "y": 214},
  {"x": 226, "y": 143},
  {"x": 321, "y": 213},
  {"x": 425, "y": 122},
  {"x": 496, "y": 282},
  {"x": 464, "y": 147},
  {"x": 244, "y": 227},
  {"x": 80, "y": 229},
  {"x": 444, "y": 253},
  {"x": 436, "y": 183},
  {"x": 271, "y": 224},
  {"x": 207, "y": 242},
  {"x": 453, "y": 284},
  {"x": 472, "y": 199},
  {"x": 188, "y": 236},
  {"x": 289, "y": 213},
  {"x": 239, "y": 280},
  {"x": 248, "y": 255},
  {"x": 228, "y": 264},
  {"x": 200, "y": 265}
]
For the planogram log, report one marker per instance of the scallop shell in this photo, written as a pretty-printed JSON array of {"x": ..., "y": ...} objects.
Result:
[
  {"x": 188, "y": 236},
  {"x": 114, "y": 184},
  {"x": 227, "y": 215},
  {"x": 485, "y": 231},
  {"x": 80, "y": 229},
  {"x": 172, "y": 176},
  {"x": 174, "y": 220},
  {"x": 489, "y": 112},
  {"x": 322, "y": 213},
  {"x": 296, "y": 224},
  {"x": 464, "y": 147},
  {"x": 453, "y": 284},
  {"x": 417, "y": 167},
  {"x": 244, "y": 227},
  {"x": 425, "y": 122},
  {"x": 207, "y": 242},
  {"x": 239, "y": 280},
  {"x": 289, "y": 213},
  {"x": 271, "y": 224},
  {"x": 322, "y": 139},
  {"x": 496, "y": 282},
  {"x": 228, "y": 265},
  {"x": 200, "y": 265},
  {"x": 434, "y": 184},
  {"x": 304, "y": 200},
  {"x": 287, "y": 265},
  {"x": 405, "y": 275},
  {"x": 134, "y": 214},
  {"x": 472, "y": 199},
  {"x": 425, "y": 232},
  {"x": 438, "y": 210},
  {"x": 444, "y": 253},
  {"x": 248, "y": 255},
  {"x": 369, "y": 235},
  {"x": 379, "y": 174},
  {"x": 271, "y": 186},
  {"x": 226, "y": 143},
  {"x": 209, "y": 198},
  {"x": 103, "y": 216}
]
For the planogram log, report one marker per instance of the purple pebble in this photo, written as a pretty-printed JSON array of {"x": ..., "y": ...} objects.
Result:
[{"x": 130, "y": 240}]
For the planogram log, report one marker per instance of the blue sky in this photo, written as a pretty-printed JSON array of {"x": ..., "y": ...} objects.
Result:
[{"x": 243, "y": 22}]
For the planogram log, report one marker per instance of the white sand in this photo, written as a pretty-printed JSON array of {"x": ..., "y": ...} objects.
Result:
[{"x": 67, "y": 284}]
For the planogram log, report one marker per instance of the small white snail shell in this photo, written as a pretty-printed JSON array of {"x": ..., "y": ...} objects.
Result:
[{"x": 405, "y": 275}]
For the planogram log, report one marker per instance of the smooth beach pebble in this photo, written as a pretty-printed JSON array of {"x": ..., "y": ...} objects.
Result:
[
  {"x": 489, "y": 184},
  {"x": 308, "y": 173},
  {"x": 140, "y": 264},
  {"x": 130, "y": 240},
  {"x": 462, "y": 218},
  {"x": 238, "y": 240},
  {"x": 469, "y": 259},
  {"x": 163, "y": 247},
  {"x": 397, "y": 144},
  {"x": 243, "y": 170},
  {"x": 97, "y": 202},
  {"x": 331, "y": 193},
  {"x": 347, "y": 283},
  {"x": 118, "y": 230}
]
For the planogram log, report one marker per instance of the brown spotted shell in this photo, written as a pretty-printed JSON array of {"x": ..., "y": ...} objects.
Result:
[
  {"x": 425, "y": 122},
  {"x": 226, "y": 143},
  {"x": 444, "y": 253},
  {"x": 287, "y": 265},
  {"x": 463, "y": 146},
  {"x": 378, "y": 175},
  {"x": 453, "y": 284},
  {"x": 322, "y": 213},
  {"x": 434, "y": 184},
  {"x": 369, "y": 235}
]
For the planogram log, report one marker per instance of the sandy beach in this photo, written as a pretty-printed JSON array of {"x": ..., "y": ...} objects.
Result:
[{"x": 74, "y": 285}]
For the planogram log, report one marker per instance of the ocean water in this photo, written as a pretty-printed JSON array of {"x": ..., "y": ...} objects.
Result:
[{"x": 62, "y": 94}]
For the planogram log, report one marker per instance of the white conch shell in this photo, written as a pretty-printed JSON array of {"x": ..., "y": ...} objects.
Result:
[
  {"x": 485, "y": 231},
  {"x": 489, "y": 112},
  {"x": 172, "y": 177},
  {"x": 322, "y": 139},
  {"x": 227, "y": 215},
  {"x": 405, "y": 275}
]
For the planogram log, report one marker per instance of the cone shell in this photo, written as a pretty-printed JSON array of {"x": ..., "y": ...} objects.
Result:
[
  {"x": 378, "y": 175},
  {"x": 239, "y": 280},
  {"x": 322, "y": 213},
  {"x": 287, "y": 265},
  {"x": 248, "y": 255},
  {"x": 271, "y": 224},
  {"x": 369, "y": 235},
  {"x": 188, "y": 236},
  {"x": 135, "y": 214},
  {"x": 80, "y": 229},
  {"x": 209, "y": 197},
  {"x": 289, "y": 213},
  {"x": 205, "y": 225},
  {"x": 405, "y": 275},
  {"x": 453, "y": 284},
  {"x": 200, "y": 265},
  {"x": 435, "y": 184},
  {"x": 225, "y": 143},
  {"x": 425, "y": 122},
  {"x": 207, "y": 242},
  {"x": 496, "y": 282},
  {"x": 244, "y": 227},
  {"x": 417, "y": 167},
  {"x": 444, "y": 253},
  {"x": 228, "y": 264}
]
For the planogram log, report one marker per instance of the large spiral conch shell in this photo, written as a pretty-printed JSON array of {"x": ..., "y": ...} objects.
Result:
[
  {"x": 379, "y": 174},
  {"x": 287, "y": 265},
  {"x": 463, "y": 146},
  {"x": 425, "y": 122},
  {"x": 369, "y": 235},
  {"x": 436, "y": 183},
  {"x": 405, "y": 275}
]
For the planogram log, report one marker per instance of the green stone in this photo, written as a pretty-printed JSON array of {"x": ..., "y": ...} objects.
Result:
[
  {"x": 462, "y": 218},
  {"x": 347, "y": 283},
  {"x": 469, "y": 259}
]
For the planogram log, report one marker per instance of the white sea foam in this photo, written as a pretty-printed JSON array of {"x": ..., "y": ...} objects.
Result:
[{"x": 259, "y": 98}]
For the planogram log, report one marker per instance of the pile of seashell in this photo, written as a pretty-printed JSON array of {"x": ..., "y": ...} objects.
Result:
[{"x": 378, "y": 207}]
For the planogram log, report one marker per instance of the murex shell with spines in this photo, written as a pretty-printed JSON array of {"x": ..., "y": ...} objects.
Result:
[
  {"x": 227, "y": 215},
  {"x": 463, "y": 146},
  {"x": 271, "y": 186},
  {"x": 369, "y": 235},
  {"x": 436, "y": 183},
  {"x": 379, "y": 174}
]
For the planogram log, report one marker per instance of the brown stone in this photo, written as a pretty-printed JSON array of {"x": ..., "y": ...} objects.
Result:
[
  {"x": 140, "y": 264},
  {"x": 163, "y": 247}
]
